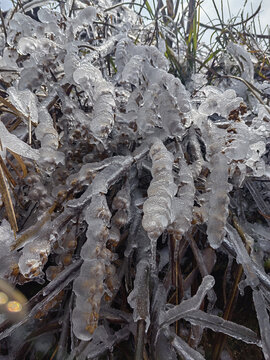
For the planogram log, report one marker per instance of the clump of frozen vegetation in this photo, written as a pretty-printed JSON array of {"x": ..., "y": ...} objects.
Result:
[{"x": 128, "y": 187}]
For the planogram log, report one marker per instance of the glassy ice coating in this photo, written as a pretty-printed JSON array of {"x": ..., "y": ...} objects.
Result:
[
  {"x": 26, "y": 102},
  {"x": 16, "y": 145},
  {"x": 263, "y": 320},
  {"x": 185, "y": 350},
  {"x": 183, "y": 202},
  {"x": 139, "y": 299},
  {"x": 143, "y": 169},
  {"x": 179, "y": 311},
  {"x": 157, "y": 208},
  {"x": 89, "y": 287},
  {"x": 218, "y": 200},
  {"x": 216, "y": 323}
]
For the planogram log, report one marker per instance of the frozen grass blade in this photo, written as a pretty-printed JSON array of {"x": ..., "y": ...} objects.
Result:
[
  {"x": 217, "y": 324},
  {"x": 263, "y": 319},
  {"x": 179, "y": 311},
  {"x": 184, "y": 349}
]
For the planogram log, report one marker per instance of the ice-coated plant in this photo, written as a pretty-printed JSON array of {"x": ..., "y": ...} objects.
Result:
[{"x": 134, "y": 186}]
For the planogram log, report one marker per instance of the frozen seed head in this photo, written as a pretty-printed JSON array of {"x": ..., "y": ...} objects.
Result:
[
  {"x": 66, "y": 259},
  {"x": 71, "y": 244},
  {"x": 120, "y": 218}
]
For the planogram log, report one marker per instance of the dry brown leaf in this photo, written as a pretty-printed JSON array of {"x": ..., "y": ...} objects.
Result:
[
  {"x": 12, "y": 108},
  {"x": 20, "y": 161},
  {"x": 7, "y": 201},
  {"x": 7, "y": 173}
]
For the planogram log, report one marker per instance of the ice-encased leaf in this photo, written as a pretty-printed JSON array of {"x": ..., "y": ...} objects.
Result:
[
  {"x": 86, "y": 73},
  {"x": 102, "y": 95},
  {"x": 47, "y": 16},
  {"x": 71, "y": 61},
  {"x": 173, "y": 103},
  {"x": 121, "y": 203},
  {"x": 6, "y": 237},
  {"x": 238, "y": 134},
  {"x": 25, "y": 101},
  {"x": 217, "y": 324},
  {"x": 49, "y": 139},
  {"x": 164, "y": 349},
  {"x": 22, "y": 25},
  {"x": 218, "y": 200},
  {"x": 263, "y": 320},
  {"x": 112, "y": 169},
  {"x": 122, "y": 53},
  {"x": 255, "y": 152},
  {"x": 133, "y": 71},
  {"x": 16, "y": 145},
  {"x": 147, "y": 117},
  {"x": 28, "y": 45},
  {"x": 181, "y": 310},
  {"x": 195, "y": 151},
  {"x": 131, "y": 60},
  {"x": 243, "y": 257},
  {"x": 244, "y": 59},
  {"x": 84, "y": 19},
  {"x": 139, "y": 299},
  {"x": 8, "y": 259},
  {"x": 37, "y": 48},
  {"x": 34, "y": 255},
  {"x": 31, "y": 78},
  {"x": 183, "y": 202},
  {"x": 184, "y": 349},
  {"x": 89, "y": 289},
  {"x": 218, "y": 102},
  {"x": 46, "y": 128},
  {"x": 102, "y": 342},
  {"x": 107, "y": 177}
]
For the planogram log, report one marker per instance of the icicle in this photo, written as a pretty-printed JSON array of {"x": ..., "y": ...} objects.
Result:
[
  {"x": 103, "y": 113},
  {"x": 102, "y": 94},
  {"x": 121, "y": 53},
  {"x": 218, "y": 200},
  {"x": 89, "y": 287},
  {"x": 158, "y": 207}
]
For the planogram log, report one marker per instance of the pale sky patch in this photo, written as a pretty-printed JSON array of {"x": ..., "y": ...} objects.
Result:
[
  {"x": 235, "y": 9},
  {"x": 207, "y": 5}
]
